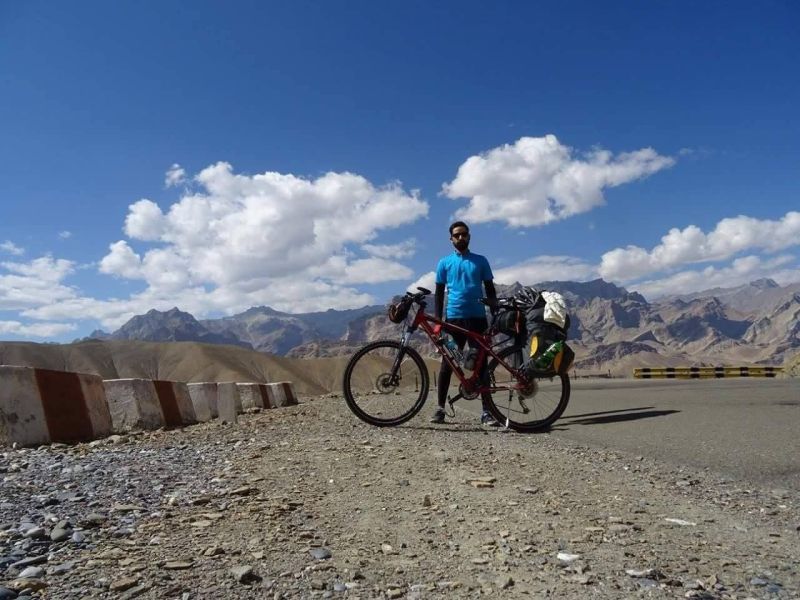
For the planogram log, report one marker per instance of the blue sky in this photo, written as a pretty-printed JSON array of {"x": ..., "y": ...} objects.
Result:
[{"x": 310, "y": 155}]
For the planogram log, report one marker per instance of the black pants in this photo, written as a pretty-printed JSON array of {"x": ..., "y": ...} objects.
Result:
[{"x": 478, "y": 325}]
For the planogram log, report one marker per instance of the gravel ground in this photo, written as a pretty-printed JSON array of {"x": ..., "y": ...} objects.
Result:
[{"x": 307, "y": 502}]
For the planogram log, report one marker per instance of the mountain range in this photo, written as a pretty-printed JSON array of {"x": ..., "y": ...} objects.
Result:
[{"x": 612, "y": 329}]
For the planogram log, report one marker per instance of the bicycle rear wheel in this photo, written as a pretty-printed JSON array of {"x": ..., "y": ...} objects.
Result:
[
  {"x": 385, "y": 384},
  {"x": 535, "y": 409}
]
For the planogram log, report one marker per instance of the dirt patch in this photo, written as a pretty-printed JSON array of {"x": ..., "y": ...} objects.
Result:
[{"x": 307, "y": 501}]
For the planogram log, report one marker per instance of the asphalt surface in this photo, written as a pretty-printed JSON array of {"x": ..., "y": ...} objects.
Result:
[{"x": 742, "y": 428}]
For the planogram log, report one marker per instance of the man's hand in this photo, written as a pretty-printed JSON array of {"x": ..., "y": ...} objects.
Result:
[
  {"x": 438, "y": 302},
  {"x": 491, "y": 296}
]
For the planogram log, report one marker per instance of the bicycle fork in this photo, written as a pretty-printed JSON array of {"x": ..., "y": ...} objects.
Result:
[{"x": 394, "y": 372}]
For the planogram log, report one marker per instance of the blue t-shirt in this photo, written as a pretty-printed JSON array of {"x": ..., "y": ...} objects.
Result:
[{"x": 464, "y": 276}]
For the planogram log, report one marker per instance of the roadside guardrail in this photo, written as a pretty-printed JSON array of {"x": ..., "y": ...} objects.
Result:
[
  {"x": 42, "y": 406},
  {"x": 705, "y": 372}
]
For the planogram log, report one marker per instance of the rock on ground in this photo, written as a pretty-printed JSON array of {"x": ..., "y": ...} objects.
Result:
[{"x": 307, "y": 502}]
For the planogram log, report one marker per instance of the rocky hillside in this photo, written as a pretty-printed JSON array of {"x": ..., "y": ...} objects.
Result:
[
  {"x": 757, "y": 296},
  {"x": 612, "y": 329},
  {"x": 792, "y": 366},
  {"x": 173, "y": 325},
  {"x": 616, "y": 330},
  {"x": 260, "y": 328}
]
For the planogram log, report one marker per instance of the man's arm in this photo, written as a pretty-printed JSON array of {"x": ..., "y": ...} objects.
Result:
[
  {"x": 491, "y": 294},
  {"x": 438, "y": 301}
]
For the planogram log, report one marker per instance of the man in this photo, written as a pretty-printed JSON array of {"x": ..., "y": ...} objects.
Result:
[{"x": 464, "y": 274}]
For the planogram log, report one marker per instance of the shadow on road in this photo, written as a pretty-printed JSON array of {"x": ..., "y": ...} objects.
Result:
[
  {"x": 618, "y": 417},
  {"x": 608, "y": 412}
]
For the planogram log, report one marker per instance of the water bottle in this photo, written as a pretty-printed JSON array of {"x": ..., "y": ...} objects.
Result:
[
  {"x": 546, "y": 357},
  {"x": 451, "y": 345}
]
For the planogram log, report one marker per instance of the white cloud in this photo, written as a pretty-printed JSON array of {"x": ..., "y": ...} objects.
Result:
[
  {"x": 739, "y": 272},
  {"x": 121, "y": 261},
  {"x": 539, "y": 180},
  {"x": 427, "y": 281},
  {"x": 546, "y": 268},
  {"x": 535, "y": 270},
  {"x": 145, "y": 221},
  {"x": 37, "y": 330},
  {"x": 690, "y": 245},
  {"x": 174, "y": 176},
  {"x": 45, "y": 268},
  {"x": 166, "y": 270},
  {"x": 376, "y": 270},
  {"x": 35, "y": 283},
  {"x": 113, "y": 312},
  {"x": 404, "y": 249},
  {"x": 11, "y": 248},
  {"x": 231, "y": 241},
  {"x": 64, "y": 235},
  {"x": 367, "y": 270},
  {"x": 293, "y": 294},
  {"x": 270, "y": 224}
]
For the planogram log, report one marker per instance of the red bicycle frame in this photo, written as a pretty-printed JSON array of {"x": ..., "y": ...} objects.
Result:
[{"x": 482, "y": 341}]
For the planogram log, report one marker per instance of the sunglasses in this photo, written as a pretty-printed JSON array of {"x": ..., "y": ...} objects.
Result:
[{"x": 456, "y": 236}]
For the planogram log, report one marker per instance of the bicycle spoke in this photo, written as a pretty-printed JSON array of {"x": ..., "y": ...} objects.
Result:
[
  {"x": 379, "y": 394},
  {"x": 529, "y": 409}
]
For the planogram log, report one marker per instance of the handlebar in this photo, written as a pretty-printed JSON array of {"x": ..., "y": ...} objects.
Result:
[
  {"x": 505, "y": 303},
  {"x": 525, "y": 299},
  {"x": 419, "y": 296},
  {"x": 519, "y": 301}
]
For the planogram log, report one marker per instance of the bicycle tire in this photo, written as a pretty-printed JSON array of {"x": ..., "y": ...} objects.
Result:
[
  {"x": 547, "y": 404},
  {"x": 369, "y": 393}
]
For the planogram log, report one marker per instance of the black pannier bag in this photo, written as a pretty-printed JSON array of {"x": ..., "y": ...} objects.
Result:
[{"x": 512, "y": 322}]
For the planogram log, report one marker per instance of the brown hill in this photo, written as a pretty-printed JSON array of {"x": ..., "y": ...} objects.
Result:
[
  {"x": 177, "y": 361},
  {"x": 195, "y": 362},
  {"x": 612, "y": 329}
]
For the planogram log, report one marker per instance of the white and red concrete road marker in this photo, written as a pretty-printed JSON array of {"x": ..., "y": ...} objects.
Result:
[
  {"x": 253, "y": 395},
  {"x": 146, "y": 404},
  {"x": 229, "y": 403},
  {"x": 133, "y": 404},
  {"x": 281, "y": 394},
  {"x": 204, "y": 398},
  {"x": 39, "y": 406},
  {"x": 176, "y": 404}
]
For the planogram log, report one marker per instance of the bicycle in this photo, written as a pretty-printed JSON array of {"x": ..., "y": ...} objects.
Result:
[{"x": 386, "y": 382}]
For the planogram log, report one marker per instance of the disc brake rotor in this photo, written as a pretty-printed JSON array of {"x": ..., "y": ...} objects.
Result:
[{"x": 384, "y": 384}]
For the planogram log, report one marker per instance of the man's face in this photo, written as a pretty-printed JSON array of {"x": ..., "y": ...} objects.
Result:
[{"x": 460, "y": 238}]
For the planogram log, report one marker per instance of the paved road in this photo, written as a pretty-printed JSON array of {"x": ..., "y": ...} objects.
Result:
[{"x": 741, "y": 428}]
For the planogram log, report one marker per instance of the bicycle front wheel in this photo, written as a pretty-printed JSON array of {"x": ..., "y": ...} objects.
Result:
[
  {"x": 385, "y": 384},
  {"x": 532, "y": 409}
]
